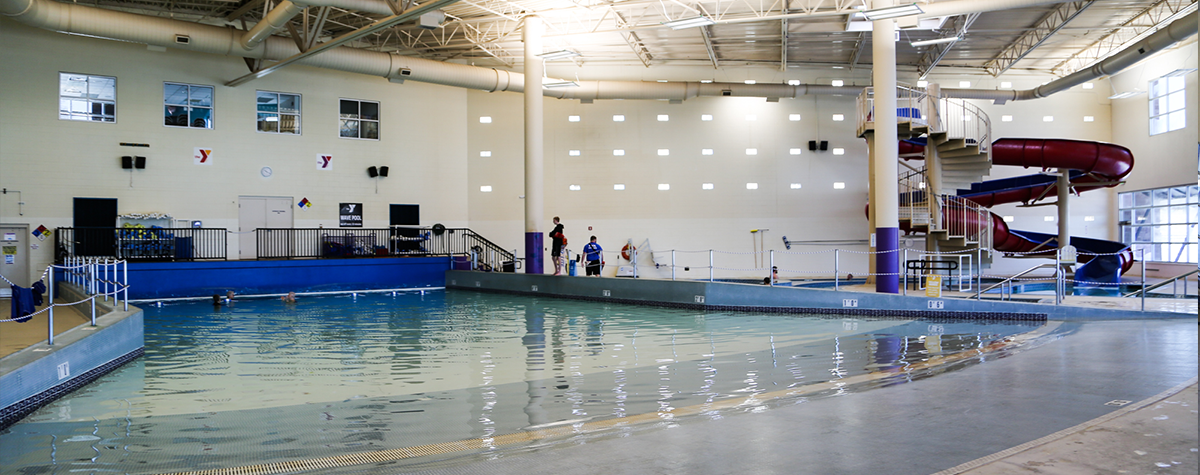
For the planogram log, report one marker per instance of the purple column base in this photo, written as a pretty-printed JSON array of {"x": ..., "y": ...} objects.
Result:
[
  {"x": 887, "y": 242},
  {"x": 534, "y": 256}
]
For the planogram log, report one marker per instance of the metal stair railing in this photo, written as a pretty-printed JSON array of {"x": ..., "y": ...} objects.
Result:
[
  {"x": 962, "y": 120},
  {"x": 912, "y": 107},
  {"x": 964, "y": 219},
  {"x": 914, "y": 199},
  {"x": 1164, "y": 283},
  {"x": 1008, "y": 283}
]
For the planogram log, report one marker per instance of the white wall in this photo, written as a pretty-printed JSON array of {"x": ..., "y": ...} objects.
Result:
[
  {"x": 432, "y": 138},
  {"x": 686, "y": 217},
  {"x": 423, "y": 140}
]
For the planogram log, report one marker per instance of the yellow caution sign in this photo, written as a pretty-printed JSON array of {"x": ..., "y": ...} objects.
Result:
[{"x": 933, "y": 285}]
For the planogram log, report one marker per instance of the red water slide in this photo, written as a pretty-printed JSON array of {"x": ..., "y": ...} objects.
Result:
[{"x": 1102, "y": 164}]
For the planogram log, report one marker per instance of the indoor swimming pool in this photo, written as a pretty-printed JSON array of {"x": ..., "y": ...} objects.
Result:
[{"x": 259, "y": 381}]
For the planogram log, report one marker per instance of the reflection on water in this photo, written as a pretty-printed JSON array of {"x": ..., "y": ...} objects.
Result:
[{"x": 260, "y": 381}]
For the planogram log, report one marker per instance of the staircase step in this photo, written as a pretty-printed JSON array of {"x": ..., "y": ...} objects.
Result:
[
  {"x": 983, "y": 167},
  {"x": 951, "y": 144},
  {"x": 963, "y": 151}
]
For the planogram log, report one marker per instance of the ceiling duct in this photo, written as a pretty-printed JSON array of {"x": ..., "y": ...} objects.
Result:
[{"x": 158, "y": 31}]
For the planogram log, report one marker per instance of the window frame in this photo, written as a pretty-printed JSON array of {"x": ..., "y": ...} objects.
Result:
[
  {"x": 212, "y": 107},
  {"x": 1171, "y": 80},
  {"x": 299, "y": 128},
  {"x": 1147, "y": 218},
  {"x": 90, "y": 116},
  {"x": 359, "y": 118}
]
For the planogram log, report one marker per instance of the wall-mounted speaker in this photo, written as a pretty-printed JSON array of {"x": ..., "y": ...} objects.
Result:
[
  {"x": 824, "y": 145},
  {"x": 383, "y": 171},
  {"x": 812, "y": 145},
  {"x": 139, "y": 162},
  {"x": 126, "y": 162},
  {"x": 373, "y": 172}
]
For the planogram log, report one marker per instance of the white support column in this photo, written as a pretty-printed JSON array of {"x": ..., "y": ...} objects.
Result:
[
  {"x": 884, "y": 189},
  {"x": 1064, "y": 207},
  {"x": 534, "y": 174}
]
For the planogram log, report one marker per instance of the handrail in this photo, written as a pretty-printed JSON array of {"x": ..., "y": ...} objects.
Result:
[
  {"x": 1162, "y": 284},
  {"x": 1017, "y": 275}
]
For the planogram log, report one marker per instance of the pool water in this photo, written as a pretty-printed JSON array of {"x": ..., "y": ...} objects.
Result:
[{"x": 261, "y": 381}]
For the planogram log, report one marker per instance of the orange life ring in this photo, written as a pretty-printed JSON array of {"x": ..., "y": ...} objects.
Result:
[{"x": 626, "y": 250}]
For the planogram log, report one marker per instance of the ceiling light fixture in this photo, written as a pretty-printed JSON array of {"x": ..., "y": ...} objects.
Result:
[
  {"x": 689, "y": 22},
  {"x": 892, "y": 12},
  {"x": 1126, "y": 94},
  {"x": 560, "y": 54},
  {"x": 555, "y": 83},
  {"x": 1178, "y": 73},
  {"x": 936, "y": 41}
]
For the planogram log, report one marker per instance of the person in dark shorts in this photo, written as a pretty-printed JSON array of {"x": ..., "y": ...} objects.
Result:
[
  {"x": 593, "y": 254},
  {"x": 556, "y": 244}
]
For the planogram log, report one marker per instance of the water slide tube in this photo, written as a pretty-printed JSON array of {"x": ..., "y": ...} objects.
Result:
[{"x": 1092, "y": 164}]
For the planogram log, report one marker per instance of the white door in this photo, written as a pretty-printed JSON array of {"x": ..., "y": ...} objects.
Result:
[
  {"x": 261, "y": 212},
  {"x": 14, "y": 252}
]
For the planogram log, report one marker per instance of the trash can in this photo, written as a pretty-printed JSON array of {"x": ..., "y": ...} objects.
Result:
[
  {"x": 461, "y": 263},
  {"x": 509, "y": 266}
]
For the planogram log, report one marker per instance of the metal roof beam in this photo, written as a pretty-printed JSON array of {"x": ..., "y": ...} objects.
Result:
[
  {"x": 935, "y": 53},
  {"x": 1140, "y": 26},
  {"x": 1042, "y": 30}
]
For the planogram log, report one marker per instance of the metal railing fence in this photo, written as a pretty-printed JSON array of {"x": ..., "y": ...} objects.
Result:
[
  {"x": 141, "y": 244},
  {"x": 312, "y": 243}
]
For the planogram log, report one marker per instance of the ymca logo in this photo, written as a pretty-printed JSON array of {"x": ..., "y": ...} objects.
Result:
[
  {"x": 201, "y": 156},
  {"x": 324, "y": 162}
]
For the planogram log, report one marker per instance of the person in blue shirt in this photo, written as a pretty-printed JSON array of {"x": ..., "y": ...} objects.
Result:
[{"x": 592, "y": 253}]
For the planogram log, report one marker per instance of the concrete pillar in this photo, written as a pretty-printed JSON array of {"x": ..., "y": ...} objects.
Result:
[
  {"x": 1064, "y": 207},
  {"x": 534, "y": 158},
  {"x": 933, "y": 166},
  {"x": 884, "y": 189}
]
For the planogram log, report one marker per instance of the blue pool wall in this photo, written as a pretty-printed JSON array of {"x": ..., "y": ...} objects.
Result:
[
  {"x": 153, "y": 280},
  {"x": 761, "y": 298}
]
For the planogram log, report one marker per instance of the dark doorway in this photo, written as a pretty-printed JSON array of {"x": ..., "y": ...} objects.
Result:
[
  {"x": 405, "y": 215},
  {"x": 95, "y": 220}
]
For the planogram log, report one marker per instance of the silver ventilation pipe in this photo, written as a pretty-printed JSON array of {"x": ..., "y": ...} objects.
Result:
[
  {"x": 275, "y": 19},
  {"x": 1162, "y": 39}
]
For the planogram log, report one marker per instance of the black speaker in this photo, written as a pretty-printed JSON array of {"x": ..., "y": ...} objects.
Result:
[
  {"x": 373, "y": 172},
  {"x": 812, "y": 145},
  {"x": 139, "y": 162},
  {"x": 383, "y": 171},
  {"x": 824, "y": 145},
  {"x": 127, "y": 162}
]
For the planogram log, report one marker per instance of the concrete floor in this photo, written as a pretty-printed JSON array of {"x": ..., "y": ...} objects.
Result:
[
  {"x": 16, "y": 336},
  {"x": 1042, "y": 408}
]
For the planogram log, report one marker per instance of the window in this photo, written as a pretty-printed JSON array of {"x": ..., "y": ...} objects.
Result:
[
  {"x": 185, "y": 105},
  {"x": 278, "y": 112},
  {"x": 1161, "y": 222},
  {"x": 358, "y": 119},
  {"x": 1168, "y": 107},
  {"x": 84, "y": 97}
]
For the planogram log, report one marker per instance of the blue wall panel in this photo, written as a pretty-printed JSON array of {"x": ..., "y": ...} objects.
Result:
[{"x": 148, "y": 280}]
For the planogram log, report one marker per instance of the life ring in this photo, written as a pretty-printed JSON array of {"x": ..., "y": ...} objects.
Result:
[
  {"x": 625, "y": 251},
  {"x": 438, "y": 229}
]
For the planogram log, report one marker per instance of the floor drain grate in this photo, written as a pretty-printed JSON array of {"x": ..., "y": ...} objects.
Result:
[{"x": 1117, "y": 402}]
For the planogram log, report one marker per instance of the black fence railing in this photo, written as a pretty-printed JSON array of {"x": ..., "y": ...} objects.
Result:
[
  {"x": 142, "y": 244},
  {"x": 470, "y": 249}
]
